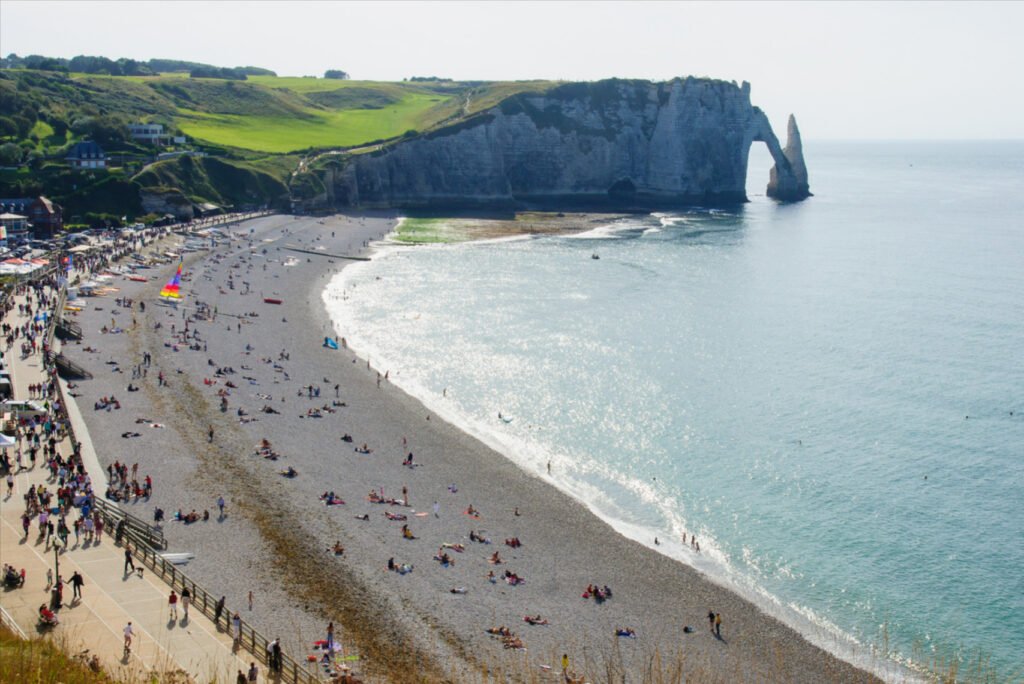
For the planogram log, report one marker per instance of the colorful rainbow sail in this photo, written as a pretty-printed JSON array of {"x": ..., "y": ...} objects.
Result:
[{"x": 171, "y": 288}]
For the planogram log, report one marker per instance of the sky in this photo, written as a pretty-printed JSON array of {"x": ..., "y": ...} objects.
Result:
[{"x": 847, "y": 70}]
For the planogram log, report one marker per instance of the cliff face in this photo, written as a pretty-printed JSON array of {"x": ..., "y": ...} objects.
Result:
[{"x": 620, "y": 143}]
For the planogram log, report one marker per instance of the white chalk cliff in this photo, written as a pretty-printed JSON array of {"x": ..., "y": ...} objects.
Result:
[{"x": 613, "y": 143}]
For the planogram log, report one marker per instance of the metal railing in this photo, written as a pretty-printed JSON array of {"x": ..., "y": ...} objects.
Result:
[
  {"x": 139, "y": 529},
  {"x": 54, "y": 319},
  {"x": 247, "y": 637},
  {"x": 7, "y": 621}
]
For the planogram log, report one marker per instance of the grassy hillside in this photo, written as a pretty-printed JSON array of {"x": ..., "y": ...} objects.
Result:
[
  {"x": 209, "y": 179},
  {"x": 263, "y": 114},
  {"x": 321, "y": 127},
  {"x": 256, "y": 131}
]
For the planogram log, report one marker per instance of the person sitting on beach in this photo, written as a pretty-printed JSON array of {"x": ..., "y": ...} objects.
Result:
[
  {"x": 242, "y": 411},
  {"x": 471, "y": 510},
  {"x": 513, "y": 542},
  {"x": 407, "y": 533},
  {"x": 495, "y": 558},
  {"x": 391, "y": 563},
  {"x": 132, "y": 388},
  {"x": 346, "y": 438},
  {"x": 513, "y": 579},
  {"x": 500, "y": 631},
  {"x": 290, "y": 472},
  {"x": 491, "y": 578},
  {"x": 338, "y": 548},
  {"x": 206, "y": 515},
  {"x": 364, "y": 449}
]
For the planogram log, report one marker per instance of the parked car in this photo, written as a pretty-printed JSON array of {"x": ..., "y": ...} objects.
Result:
[{"x": 23, "y": 408}]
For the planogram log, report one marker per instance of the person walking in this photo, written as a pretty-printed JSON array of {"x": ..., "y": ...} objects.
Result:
[
  {"x": 240, "y": 679},
  {"x": 210, "y": 430},
  {"x": 76, "y": 585},
  {"x": 172, "y": 603},
  {"x": 330, "y": 636},
  {"x": 128, "y": 562},
  {"x": 276, "y": 653},
  {"x": 217, "y": 611},
  {"x": 186, "y": 598},
  {"x": 220, "y": 505},
  {"x": 236, "y": 628},
  {"x": 254, "y": 672},
  {"x": 250, "y": 600},
  {"x": 718, "y": 625}
]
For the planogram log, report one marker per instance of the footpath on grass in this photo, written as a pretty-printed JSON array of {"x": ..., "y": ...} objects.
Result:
[{"x": 111, "y": 598}]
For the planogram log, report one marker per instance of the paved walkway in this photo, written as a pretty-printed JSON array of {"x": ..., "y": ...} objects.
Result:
[{"x": 110, "y": 597}]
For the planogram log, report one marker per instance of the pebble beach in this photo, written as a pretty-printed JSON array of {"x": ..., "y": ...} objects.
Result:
[{"x": 251, "y": 373}]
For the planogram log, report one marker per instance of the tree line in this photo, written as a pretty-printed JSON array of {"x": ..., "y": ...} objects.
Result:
[{"x": 87, "y": 64}]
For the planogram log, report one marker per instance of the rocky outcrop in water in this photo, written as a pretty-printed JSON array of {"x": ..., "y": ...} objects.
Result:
[
  {"x": 634, "y": 144},
  {"x": 788, "y": 182}
]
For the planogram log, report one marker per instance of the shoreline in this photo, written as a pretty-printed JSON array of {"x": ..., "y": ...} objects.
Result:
[
  {"x": 565, "y": 546},
  {"x": 819, "y": 632}
]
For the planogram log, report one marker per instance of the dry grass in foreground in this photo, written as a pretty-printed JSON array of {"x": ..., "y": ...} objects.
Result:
[{"x": 38, "y": 660}]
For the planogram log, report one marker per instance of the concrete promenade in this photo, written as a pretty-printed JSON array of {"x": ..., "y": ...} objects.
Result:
[{"x": 110, "y": 598}]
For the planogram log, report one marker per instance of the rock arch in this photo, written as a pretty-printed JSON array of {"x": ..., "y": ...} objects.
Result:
[{"x": 788, "y": 178}]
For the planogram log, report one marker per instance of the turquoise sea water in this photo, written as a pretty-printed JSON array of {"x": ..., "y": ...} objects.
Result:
[{"x": 822, "y": 392}]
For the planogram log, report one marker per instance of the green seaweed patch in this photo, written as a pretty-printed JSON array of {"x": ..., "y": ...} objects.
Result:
[
  {"x": 424, "y": 230},
  {"x": 416, "y": 231}
]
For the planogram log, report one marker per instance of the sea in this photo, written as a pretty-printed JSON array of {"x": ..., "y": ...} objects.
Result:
[{"x": 828, "y": 394}]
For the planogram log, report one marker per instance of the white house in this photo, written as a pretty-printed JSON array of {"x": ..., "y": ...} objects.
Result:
[
  {"x": 87, "y": 155},
  {"x": 148, "y": 133}
]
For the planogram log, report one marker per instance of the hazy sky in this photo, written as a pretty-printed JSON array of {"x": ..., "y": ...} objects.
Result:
[{"x": 847, "y": 70}]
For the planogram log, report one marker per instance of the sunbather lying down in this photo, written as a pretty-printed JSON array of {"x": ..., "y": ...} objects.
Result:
[{"x": 501, "y": 631}]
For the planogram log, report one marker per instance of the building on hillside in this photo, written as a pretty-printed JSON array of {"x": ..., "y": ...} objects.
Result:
[
  {"x": 87, "y": 155},
  {"x": 13, "y": 224},
  {"x": 45, "y": 217},
  {"x": 152, "y": 134}
]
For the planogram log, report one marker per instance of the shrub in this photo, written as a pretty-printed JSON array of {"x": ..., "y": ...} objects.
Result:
[{"x": 10, "y": 154}]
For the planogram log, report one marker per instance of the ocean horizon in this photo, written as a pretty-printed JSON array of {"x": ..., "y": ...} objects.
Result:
[{"x": 827, "y": 394}]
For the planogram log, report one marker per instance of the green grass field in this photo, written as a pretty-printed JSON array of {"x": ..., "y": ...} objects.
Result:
[{"x": 343, "y": 128}]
